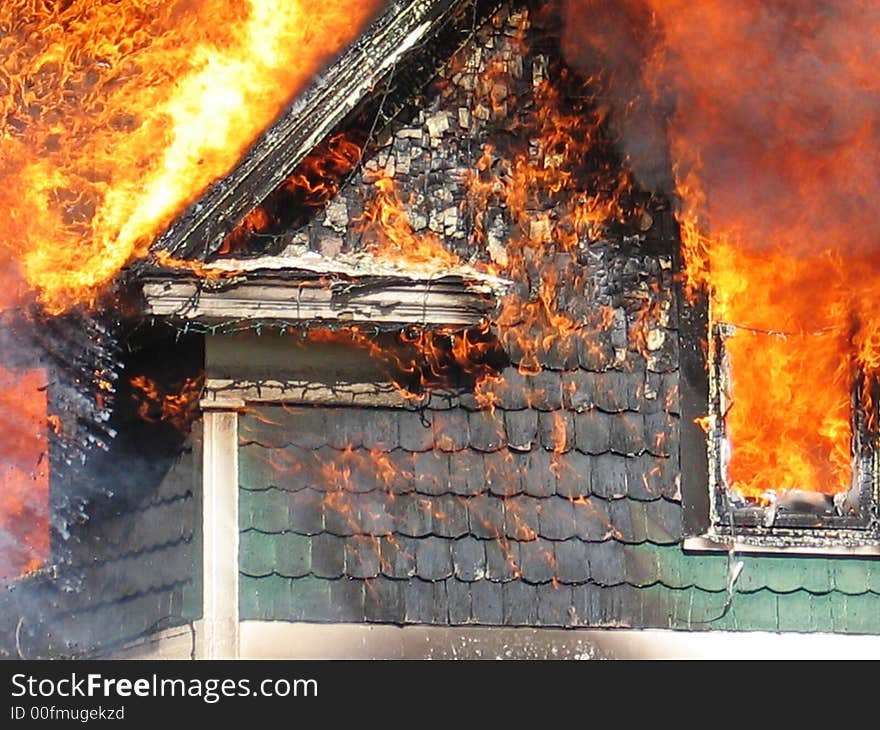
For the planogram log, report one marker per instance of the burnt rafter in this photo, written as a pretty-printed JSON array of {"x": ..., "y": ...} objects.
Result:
[{"x": 398, "y": 34}]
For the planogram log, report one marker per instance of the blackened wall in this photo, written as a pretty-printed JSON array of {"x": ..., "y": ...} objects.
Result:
[{"x": 123, "y": 562}]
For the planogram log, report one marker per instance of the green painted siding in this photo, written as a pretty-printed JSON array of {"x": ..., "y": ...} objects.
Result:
[{"x": 297, "y": 577}]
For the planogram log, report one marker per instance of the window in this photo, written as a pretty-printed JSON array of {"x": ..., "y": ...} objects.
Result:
[{"x": 803, "y": 480}]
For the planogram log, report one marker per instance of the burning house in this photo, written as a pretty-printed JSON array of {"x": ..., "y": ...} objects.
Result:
[{"x": 434, "y": 328}]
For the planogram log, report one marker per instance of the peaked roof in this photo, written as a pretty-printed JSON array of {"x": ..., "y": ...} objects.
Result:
[{"x": 399, "y": 33}]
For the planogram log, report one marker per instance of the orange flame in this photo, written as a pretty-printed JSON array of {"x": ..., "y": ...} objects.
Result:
[
  {"x": 179, "y": 408},
  {"x": 774, "y": 144},
  {"x": 115, "y": 115},
  {"x": 387, "y": 231},
  {"x": 24, "y": 473},
  {"x": 526, "y": 182},
  {"x": 792, "y": 366}
]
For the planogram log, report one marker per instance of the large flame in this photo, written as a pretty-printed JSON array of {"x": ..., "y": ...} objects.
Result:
[
  {"x": 114, "y": 115},
  {"x": 24, "y": 472},
  {"x": 772, "y": 116},
  {"x": 776, "y": 152},
  {"x": 117, "y": 113}
]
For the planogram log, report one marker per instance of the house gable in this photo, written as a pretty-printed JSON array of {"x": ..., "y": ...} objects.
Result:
[
  {"x": 549, "y": 496},
  {"x": 554, "y": 498}
]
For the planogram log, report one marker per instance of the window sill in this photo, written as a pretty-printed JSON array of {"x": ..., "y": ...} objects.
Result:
[{"x": 778, "y": 543}]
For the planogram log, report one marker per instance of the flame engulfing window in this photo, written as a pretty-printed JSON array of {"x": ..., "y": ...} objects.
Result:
[
  {"x": 769, "y": 131},
  {"x": 783, "y": 469},
  {"x": 24, "y": 472},
  {"x": 775, "y": 463}
]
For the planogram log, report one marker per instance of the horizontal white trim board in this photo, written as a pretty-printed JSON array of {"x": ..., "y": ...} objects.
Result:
[
  {"x": 722, "y": 544},
  {"x": 401, "y": 303},
  {"x": 285, "y": 640}
]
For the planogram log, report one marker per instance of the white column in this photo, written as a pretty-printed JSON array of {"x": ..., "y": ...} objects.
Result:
[{"x": 219, "y": 628}]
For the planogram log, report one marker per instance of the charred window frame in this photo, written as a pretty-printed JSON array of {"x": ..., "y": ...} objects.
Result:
[{"x": 714, "y": 516}]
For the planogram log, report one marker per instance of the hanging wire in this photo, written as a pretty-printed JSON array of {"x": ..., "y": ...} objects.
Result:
[{"x": 776, "y": 333}]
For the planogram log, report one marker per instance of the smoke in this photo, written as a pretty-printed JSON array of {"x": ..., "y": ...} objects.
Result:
[
  {"x": 610, "y": 42},
  {"x": 766, "y": 112},
  {"x": 766, "y": 116}
]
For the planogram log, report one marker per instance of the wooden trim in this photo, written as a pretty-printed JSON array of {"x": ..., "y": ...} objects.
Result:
[
  {"x": 174, "y": 643},
  {"x": 404, "y": 303},
  {"x": 708, "y": 523},
  {"x": 232, "y": 394},
  {"x": 719, "y": 543},
  {"x": 693, "y": 334},
  {"x": 217, "y": 635}
]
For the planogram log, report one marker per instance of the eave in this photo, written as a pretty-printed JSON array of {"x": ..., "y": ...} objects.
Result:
[{"x": 309, "y": 289}]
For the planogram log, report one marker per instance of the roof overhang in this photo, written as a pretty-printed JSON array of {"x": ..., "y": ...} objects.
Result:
[{"x": 310, "y": 289}]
